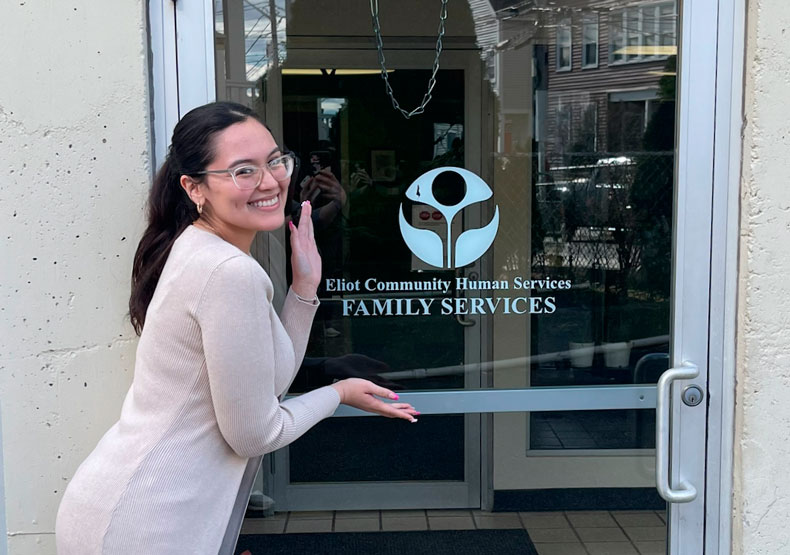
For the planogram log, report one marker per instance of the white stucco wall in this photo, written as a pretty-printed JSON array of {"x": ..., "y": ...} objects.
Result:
[
  {"x": 762, "y": 483},
  {"x": 74, "y": 171}
]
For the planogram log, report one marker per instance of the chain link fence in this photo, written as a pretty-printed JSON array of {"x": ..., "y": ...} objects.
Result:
[{"x": 608, "y": 215}]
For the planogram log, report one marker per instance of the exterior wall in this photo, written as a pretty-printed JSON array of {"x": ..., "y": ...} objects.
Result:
[
  {"x": 74, "y": 153},
  {"x": 762, "y": 449}
]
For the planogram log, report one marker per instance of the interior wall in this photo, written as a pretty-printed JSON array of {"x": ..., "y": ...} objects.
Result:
[
  {"x": 761, "y": 486},
  {"x": 74, "y": 148}
]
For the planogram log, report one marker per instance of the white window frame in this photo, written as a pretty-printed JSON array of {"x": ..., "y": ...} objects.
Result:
[
  {"x": 590, "y": 21},
  {"x": 563, "y": 27},
  {"x": 164, "y": 78}
]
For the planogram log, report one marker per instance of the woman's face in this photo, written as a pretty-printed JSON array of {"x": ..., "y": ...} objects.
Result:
[{"x": 234, "y": 213}]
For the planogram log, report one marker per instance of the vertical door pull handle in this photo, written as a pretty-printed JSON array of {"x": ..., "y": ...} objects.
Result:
[
  {"x": 458, "y": 317},
  {"x": 686, "y": 493}
]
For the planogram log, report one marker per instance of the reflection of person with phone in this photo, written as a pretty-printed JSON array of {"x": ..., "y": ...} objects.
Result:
[
  {"x": 324, "y": 191},
  {"x": 321, "y": 187}
]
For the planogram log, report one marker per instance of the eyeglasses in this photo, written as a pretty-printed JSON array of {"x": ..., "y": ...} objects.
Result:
[{"x": 249, "y": 176}]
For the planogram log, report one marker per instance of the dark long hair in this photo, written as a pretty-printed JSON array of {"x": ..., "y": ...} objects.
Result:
[{"x": 170, "y": 209}]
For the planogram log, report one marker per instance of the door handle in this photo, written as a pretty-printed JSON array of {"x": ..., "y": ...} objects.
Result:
[
  {"x": 458, "y": 317},
  {"x": 686, "y": 493}
]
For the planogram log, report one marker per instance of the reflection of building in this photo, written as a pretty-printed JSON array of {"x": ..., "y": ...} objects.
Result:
[
  {"x": 599, "y": 72},
  {"x": 598, "y": 76},
  {"x": 247, "y": 55}
]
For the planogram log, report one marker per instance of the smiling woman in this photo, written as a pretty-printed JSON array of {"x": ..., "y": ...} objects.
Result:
[
  {"x": 248, "y": 194},
  {"x": 214, "y": 358}
]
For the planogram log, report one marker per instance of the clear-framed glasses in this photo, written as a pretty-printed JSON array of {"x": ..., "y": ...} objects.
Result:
[{"x": 249, "y": 176}]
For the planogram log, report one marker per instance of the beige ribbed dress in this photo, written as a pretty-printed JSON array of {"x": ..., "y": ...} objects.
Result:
[{"x": 211, "y": 362}]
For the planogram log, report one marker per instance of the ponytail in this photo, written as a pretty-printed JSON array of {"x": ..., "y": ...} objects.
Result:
[
  {"x": 170, "y": 210},
  {"x": 169, "y": 213}
]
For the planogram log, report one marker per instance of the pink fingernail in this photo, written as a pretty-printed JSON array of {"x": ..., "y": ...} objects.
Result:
[
  {"x": 291, "y": 225},
  {"x": 395, "y": 396},
  {"x": 417, "y": 412}
]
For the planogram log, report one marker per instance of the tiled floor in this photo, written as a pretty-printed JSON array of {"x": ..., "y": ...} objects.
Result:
[
  {"x": 601, "y": 429},
  {"x": 560, "y": 533}
]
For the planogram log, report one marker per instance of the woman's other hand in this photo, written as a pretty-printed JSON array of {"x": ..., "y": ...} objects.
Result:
[
  {"x": 323, "y": 183},
  {"x": 308, "y": 189},
  {"x": 364, "y": 395},
  {"x": 305, "y": 260},
  {"x": 331, "y": 188}
]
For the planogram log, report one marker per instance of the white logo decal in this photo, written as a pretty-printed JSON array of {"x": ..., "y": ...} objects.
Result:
[{"x": 426, "y": 244}]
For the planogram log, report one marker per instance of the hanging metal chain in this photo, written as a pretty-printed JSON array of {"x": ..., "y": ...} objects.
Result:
[{"x": 374, "y": 12}]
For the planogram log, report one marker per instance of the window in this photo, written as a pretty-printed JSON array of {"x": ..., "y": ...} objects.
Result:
[
  {"x": 628, "y": 116},
  {"x": 590, "y": 40},
  {"x": 564, "y": 47},
  {"x": 576, "y": 130},
  {"x": 642, "y": 33},
  {"x": 564, "y": 116},
  {"x": 587, "y": 141},
  {"x": 633, "y": 33},
  {"x": 616, "y": 37},
  {"x": 666, "y": 24}
]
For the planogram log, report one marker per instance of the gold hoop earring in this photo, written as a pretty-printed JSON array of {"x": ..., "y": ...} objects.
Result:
[{"x": 200, "y": 209}]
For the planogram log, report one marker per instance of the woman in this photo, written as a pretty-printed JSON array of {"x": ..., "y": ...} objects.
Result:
[{"x": 213, "y": 356}]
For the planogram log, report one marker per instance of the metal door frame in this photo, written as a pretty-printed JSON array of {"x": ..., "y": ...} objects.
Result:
[
  {"x": 728, "y": 123},
  {"x": 709, "y": 154}
]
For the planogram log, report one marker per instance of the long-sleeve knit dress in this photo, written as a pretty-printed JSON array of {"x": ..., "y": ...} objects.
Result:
[{"x": 211, "y": 362}]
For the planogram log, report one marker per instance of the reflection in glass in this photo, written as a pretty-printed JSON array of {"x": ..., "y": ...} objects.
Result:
[
  {"x": 590, "y": 40},
  {"x": 593, "y": 430},
  {"x": 374, "y": 154},
  {"x": 602, "y": 214},
  {"x": 574, "y": 133},
  {"x": 247, "y": 33}
]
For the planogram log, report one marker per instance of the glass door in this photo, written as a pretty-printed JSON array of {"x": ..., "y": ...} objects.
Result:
[
  {"x": 367, "y": 267},
  {"x": 323, "y": 102},
  {"x": 527, "y": 260}
]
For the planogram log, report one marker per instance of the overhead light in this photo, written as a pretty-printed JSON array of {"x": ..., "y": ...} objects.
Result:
[
  {"x": 306, "y": 71},
  {"x": 663, "y": 50}
]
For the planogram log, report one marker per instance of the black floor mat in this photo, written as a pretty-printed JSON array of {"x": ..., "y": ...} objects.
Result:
[{"x": 439, "y": 542}]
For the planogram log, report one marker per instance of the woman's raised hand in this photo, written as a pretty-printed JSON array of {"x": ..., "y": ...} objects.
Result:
[
  {"x": 305, "y": 260},
  {"x": 364, "y": 395}
]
